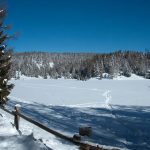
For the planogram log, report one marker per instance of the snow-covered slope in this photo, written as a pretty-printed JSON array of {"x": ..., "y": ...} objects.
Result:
[{"x": 11, "y": 140}]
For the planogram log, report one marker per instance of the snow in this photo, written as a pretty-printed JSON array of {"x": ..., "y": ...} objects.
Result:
[
  {"x": 93, "y": 92},
  {"x": 133, "y": 77},
  {"x": 5, "y": 80},
  {"x": 107, "y": 96},
  {"x": 1, "y": 10},
  {"x": 40, "y": 64},
  {"x": 18, "y": 105},
  {"x": 117, "y": 126},
  {"x": 79, "y": 101},
  {"x": 11, "y": 140},
  {"x": 29, "y": 132},
  {"x": 51, "y": 64}
]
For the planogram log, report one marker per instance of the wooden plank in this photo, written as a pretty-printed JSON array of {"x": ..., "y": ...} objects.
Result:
[{"x": 17, "y": 117}]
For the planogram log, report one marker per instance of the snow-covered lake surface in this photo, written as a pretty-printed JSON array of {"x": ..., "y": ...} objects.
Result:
[
  {"x": 117, "y": 110},
  {"x": 92, "y": 92}
]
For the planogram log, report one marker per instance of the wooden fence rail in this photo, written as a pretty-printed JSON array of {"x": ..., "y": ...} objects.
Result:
[{"x": 83, "y": 145}]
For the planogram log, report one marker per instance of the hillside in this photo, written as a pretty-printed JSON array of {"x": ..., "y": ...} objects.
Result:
[{"x": 81, "y": 66}]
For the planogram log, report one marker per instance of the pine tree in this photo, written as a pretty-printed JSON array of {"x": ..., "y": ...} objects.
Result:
[{"x": 4, "y": 62}]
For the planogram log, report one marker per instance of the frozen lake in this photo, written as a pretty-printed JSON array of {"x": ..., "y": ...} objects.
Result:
[{"x": 93, "y": 92}]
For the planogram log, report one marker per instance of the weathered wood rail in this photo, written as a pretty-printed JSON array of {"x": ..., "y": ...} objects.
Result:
[{"x": 83, "y": 145}]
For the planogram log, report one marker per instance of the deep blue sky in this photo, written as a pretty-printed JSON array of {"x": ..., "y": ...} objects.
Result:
[{"x": 80, "y": 25}]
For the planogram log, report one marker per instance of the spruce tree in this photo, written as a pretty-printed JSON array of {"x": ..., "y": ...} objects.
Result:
[{"x": 5, "y": 64}]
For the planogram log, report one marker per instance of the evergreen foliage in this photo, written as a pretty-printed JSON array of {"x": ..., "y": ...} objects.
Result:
[
  {"x": 81, "y": 66},
  {"x": 4, "y": 61}
]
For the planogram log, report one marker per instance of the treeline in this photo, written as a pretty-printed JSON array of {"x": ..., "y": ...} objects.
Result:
[{"x": 81, "y": 66}]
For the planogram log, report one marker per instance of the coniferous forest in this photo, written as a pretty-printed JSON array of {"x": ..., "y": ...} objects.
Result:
[{"x": 81, "y": 66}]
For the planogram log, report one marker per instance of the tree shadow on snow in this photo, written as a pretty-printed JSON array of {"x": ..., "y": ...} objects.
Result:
[{"x": 121, "y": 126}]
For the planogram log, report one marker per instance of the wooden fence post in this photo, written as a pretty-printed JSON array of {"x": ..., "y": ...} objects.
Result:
[
  {"x": 85, "y": 131},
  {"x": 17, "y": 117}
]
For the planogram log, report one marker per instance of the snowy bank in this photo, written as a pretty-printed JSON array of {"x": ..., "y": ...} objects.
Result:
[
  {"x": 11, "y": 140},
  {"x": 32, "y": 138}
]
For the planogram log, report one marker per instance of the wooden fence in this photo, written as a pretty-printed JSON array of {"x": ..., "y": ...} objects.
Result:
[{"x": 75, "y": 139}]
